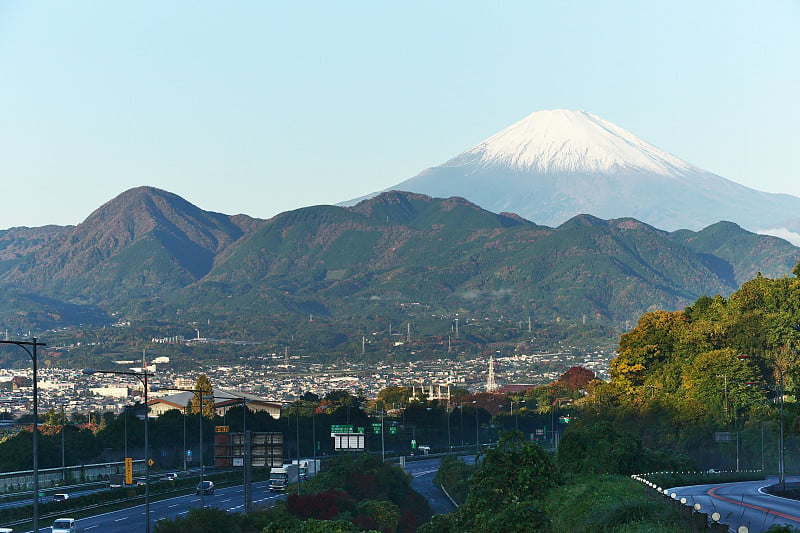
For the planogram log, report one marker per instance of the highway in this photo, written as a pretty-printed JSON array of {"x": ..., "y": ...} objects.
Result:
[
  {"x": 422, "y": 473},
  {"x": 744, "y": 504},
  {"x": 231, "y": 499},
  {"x": 133, "y": 518}
]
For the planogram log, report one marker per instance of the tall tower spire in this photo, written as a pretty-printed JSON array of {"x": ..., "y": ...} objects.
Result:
[{"x": 491, "y": 385}]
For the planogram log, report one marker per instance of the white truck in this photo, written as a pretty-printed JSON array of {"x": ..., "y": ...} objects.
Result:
[
  {"x": 308, "y": 467},
  {"x": 282, "y": 476}
]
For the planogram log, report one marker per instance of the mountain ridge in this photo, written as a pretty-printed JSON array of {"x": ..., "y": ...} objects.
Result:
[
  {"x": 548, "y": 172},
  {"x": 150, "y": 255}
]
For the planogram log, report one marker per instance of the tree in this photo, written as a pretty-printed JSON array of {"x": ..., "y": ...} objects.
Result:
[
  {"x": 207, "y": 400},
  {"x": 54, "y": 418},
  {"x": 394, "y": 397},
  {"x": 577, "y": 378},
  {"x": 505, "y": 491},
  {"x": 514, "y": 471}
]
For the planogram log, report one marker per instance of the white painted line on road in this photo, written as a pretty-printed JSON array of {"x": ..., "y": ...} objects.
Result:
[
  {"x": 174, "y": 505},
  {"x": 120, "y": 519}
]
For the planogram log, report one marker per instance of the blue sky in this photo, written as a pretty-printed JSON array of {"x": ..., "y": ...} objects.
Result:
[{"x": 261, "y": 107}]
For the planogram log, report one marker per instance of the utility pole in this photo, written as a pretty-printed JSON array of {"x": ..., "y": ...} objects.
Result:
[
  {"x": 63, "y": 426},
  {"x": 298, "y": 449},
  {"x": 34, "y": 360},
  {"x": 246, "y": 467}
]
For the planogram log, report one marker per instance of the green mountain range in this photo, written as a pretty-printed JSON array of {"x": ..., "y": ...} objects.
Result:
[{"x": 149, "y": 255}]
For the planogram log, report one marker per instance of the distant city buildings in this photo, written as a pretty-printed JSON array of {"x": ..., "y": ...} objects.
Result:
[{"x": 275, "y": 379}]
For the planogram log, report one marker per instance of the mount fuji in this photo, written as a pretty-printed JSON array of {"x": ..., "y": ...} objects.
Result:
[{"x": 553, "y": 165}]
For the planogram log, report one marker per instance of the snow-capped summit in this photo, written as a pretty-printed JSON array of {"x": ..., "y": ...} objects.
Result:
[
  {"x": 553, "y": 165},
  {"x": 570, "y": 141}
]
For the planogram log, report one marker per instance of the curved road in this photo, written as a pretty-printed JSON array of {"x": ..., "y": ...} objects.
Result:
[
  {"x": 133, "y": 518},
  {"x": 422, "y": 473},
  {"x": 744, "y": 503},
  {"x": 231, "y": 499}
]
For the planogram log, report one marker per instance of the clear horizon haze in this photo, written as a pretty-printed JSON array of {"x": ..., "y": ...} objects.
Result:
[{"x": 263, "y": 107}]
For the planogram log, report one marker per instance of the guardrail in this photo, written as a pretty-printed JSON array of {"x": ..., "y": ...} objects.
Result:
[
  {"x": 117, "y": 497},
  {"x": 693, "y": 514}
]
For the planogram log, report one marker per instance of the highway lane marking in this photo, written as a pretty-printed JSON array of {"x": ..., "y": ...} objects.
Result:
[
  {"x": 259, "y": 485},
  {"x": 713, "y": 494},
  {"x": 175, "y": 505},
  {"x": 121, "y": 519}
]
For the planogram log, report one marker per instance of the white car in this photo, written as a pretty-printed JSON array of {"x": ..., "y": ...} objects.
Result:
[{"x": 63, "y": 525}]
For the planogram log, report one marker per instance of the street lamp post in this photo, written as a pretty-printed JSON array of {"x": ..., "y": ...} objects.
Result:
[
  {"x": 383, "y": 441},
  {"x": 781, "y": 456},
  {"x": 447, "y": 415},
  {"x": 477, "y": 435},
  {"x": 297, "y": 436},
  {"x": 184, "y": 438},
  {"x": 246, "y": 461},
  {"x": 141, "y": 376},
  {"x": 63, "y": 464},
  {"x": 781, "y": 463},
  {"x": 203, "y": 397},
  {"x": 125, "y": 421},
  {"x": 461, "y": 408},
  {"x": 32, "y": 354}
]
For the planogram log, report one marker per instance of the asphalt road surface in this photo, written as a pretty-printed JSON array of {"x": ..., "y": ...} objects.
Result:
[
  {"x": 132, "y": 519},
  {"x": 422, "y": 474},
  {"x": 744, "y": 504}
]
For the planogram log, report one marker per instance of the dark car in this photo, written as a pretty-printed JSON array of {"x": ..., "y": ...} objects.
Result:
[{"x": 204, "y": 487}]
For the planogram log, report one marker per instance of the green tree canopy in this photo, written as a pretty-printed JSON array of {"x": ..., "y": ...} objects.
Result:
[{"x": 204, "y": 396}]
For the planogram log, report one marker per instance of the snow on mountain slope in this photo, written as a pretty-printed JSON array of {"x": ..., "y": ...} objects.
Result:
[
  {"x": 570, "y": 141},
  {"x": 553, "y": 165}
]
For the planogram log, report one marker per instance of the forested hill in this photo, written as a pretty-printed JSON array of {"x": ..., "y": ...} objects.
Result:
[
  {"x": 150, "y": 255},
  {"x": 718, "y": 365}
]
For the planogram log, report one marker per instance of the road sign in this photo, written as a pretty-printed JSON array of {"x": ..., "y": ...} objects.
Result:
[
  {"x": 348, "y": 442},
  {"x": 222, "y": 429},
  {"x": 376, "y": 428},
  {"x": 725, "y": 436},
  {"x": 128, "y": 471},
  {"x": 413, "y": 444}
]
